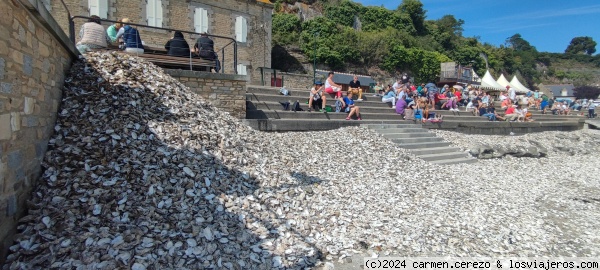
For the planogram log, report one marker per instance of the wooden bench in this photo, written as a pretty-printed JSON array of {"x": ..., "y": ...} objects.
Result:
[{"x": 168, "y": 61}]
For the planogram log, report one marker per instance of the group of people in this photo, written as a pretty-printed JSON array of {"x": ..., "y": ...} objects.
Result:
[
  {"x": 92, "y": 36},
  {"x": 319, "y": 91},
  {"x": 419, "y": 102}
]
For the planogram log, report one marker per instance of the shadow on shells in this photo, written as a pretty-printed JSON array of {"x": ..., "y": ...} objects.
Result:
[{"x": 133, "y": 181}]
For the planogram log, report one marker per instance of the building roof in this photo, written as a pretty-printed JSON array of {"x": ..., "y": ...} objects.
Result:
[
  {"x": 557, "y": 90},
  {"x": 345, "y": 78}
]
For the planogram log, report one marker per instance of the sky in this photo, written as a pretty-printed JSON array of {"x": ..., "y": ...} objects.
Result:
[{"x": 549, "y": 25}]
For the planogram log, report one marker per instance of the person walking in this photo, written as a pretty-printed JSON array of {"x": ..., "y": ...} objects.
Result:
[{"x": 591, "y": 109}]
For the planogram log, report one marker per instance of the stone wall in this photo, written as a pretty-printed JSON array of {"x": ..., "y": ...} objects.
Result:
[
  {"x": 225, "y": 91},
  {"x": 178, "y": 14},
  {"x": 33, "y": 60}
]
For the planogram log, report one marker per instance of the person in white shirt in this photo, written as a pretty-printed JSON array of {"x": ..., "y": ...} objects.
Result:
[
  {"x": 591, "y": 109},
  {"x": 512, "y": 94},
  {"x": 331, "y": 87},
  {"x": 316, "y": 94}
]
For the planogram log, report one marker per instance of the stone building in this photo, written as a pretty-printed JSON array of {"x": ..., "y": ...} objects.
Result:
[
  {"x": 247, "y": 21},
  {"x": 33, "y": 60}
]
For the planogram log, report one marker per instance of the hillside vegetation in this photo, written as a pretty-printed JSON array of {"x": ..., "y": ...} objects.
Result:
[{"x": 348, "y": 36}]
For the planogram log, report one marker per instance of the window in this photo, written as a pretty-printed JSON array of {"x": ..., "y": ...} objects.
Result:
[
  {"x": 98, "y": 8},
  {"x": 200, "y": 20},
  {"x": 241, "y": 69},
  {"x": 241, "y": 29},
  {"x": 154, "y": 13}
]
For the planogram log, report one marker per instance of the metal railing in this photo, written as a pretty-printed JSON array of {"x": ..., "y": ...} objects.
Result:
[{"x": 231, "y": 40}]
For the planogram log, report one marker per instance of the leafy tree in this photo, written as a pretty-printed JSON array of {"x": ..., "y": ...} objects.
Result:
[
  {"x": 517, "y": 43},
  {"x": 581, "y": 45},
  {"x": 586, "y": 92},
  {"x": 286, "y": 28},
  {"x": 425, "y": 65},
  {"x": 343, "y": 13},
  {"x": 414, "y": 9}
]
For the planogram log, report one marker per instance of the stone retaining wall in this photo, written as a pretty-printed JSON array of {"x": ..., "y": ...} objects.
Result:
[
  {"x": 225, "y": 91},
  {"x": 505, "y": 128},
  {"x": 34, "y": 56}
]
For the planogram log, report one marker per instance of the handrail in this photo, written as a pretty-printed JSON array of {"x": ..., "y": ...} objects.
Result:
[
  {"x": 71, "y": 23},
  {"x": 232, "y": 40}
]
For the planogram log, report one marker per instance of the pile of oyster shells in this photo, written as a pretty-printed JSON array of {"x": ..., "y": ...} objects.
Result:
[{"x": 142, "y": 173}]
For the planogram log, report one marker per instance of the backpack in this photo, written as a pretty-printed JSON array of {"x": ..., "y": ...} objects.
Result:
[
  {"x": 316, "y": 96},
  {"x": 296, "y": 107},
  {"x": 338, "y": 106},
  {"x": 284, "y": 91},
  {"x": 286, "y": 105}
]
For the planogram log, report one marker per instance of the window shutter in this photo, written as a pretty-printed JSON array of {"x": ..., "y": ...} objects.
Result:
[
  {"x": 244, "y": 29},
  {"x": 200, "y": 20},
  {"x": 159, "y": 13},
  {"x": 150, "y": 11},
  {"x": 93, "y": 6},
  {"x": 238, "y": 29},
  {"x": 103, "y": 8},
  {"x": 241, "y": 69}
]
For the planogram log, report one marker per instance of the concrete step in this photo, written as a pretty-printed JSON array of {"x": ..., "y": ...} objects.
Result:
[
  {"x": 403, "y": 141},
  {"x": 275, "y": 114},
  {"x": 271, "y": 105},
  {"x": 422, "y": 134},
  {"x": 400, "y": 130},
  {"x": 283, "y": 125},
  {"x": 454, "y": 161},
  {"x": 380, "y": 127},
  {"x": 304, "y": 99},
  {"x": 299, "y": 92},
  {"x": 443, "y": 156},
  {"x": 424, "y": 145},
  {"x": 435, "y": 150}
]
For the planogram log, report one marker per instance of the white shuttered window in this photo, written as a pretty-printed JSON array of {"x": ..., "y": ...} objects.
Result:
[
  {"x": 200, "y": 20},
  {"x": 154, "y": 13},
  {"x": 241, "y": 29},
  {"x": 241, "y": 69},
  {"x": 98, "y": 8}
]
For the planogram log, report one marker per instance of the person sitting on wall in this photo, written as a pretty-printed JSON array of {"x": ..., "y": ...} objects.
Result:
[
  {"x": 112, "y": 31},
  {"x": 316, "y": 97},
  {"x": 92, "y": 36},
  {"x": 349, "y": 107},
  {"x": 331, "y": 87},
  {"x": 178, "y": 46},
  {"x": 354, "y": 87},
  {"x": 205, "y": 49},
  {"x": 131, "y": 38}
]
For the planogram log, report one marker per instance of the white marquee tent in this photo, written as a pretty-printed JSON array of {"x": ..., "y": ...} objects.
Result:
[
  {"x": 515, "y": 81},
  {"x": 488, "y": 82},
  {"x": 504, "y": 82}
]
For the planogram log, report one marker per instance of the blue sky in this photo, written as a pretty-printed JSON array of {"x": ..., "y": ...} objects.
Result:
[{"x": 549, "y": 25}]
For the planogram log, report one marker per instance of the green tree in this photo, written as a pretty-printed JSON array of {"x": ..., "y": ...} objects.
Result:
[
  {"x": 517, "y": 43},
  {"x": 286, "y": 29},
  {"x": 414, "y": 9},
  {"x": 342, "y": 13},
  {"x": 581, "y": 45},
  {"x": 425, "y": 65}
]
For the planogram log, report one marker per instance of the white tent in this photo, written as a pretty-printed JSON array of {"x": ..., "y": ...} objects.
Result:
[
  {"x": 476, "y": 77},
  {"x": 504, "y": 82},
  {"x": 488, "y": 82},
  {"x": 515, "y": 81}
]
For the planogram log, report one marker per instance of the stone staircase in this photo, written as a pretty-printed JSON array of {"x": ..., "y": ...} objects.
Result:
[
  {"x": 424, "y": 144},
  {"x": 264, "y": 112}
]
